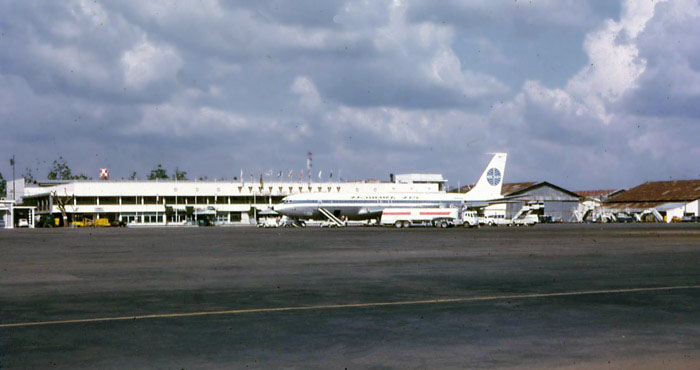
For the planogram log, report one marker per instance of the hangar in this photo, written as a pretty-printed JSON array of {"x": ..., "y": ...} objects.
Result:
[
  {"x": 670, "y": 200},
  {"x": 559, "y": 203}
]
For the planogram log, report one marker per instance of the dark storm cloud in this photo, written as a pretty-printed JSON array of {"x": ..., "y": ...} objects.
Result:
[{"x": 573, "y": 90}]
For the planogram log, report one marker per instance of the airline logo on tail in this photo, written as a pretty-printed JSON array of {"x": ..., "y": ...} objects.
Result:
[
  {"x": 491, "y": 181},
  {"x": 494, "y": 176}
]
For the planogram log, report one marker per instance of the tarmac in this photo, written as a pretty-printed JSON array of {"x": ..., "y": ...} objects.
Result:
[{"x": 546, "y": 297}]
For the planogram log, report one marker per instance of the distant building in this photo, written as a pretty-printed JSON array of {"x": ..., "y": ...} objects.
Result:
[
  {"x": 673, "y": 200},
  {"x": 12, "y": 215},
  {"x": 559, "y": 203},
  {"x": 179, "y": 202},
  {"x": 421, "y": 178}
]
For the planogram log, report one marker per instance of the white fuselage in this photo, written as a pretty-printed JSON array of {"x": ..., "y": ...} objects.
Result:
[{"x": 362, "y": 206}]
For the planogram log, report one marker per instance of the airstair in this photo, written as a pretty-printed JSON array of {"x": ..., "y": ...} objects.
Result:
[
  {"x": 527, "y": 209},
  {"x": 649, "y": 211},
  {"x": 331, "y": 217}
]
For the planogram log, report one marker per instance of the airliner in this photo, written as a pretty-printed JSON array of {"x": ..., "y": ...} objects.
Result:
[{"x": 364, "y": 206}]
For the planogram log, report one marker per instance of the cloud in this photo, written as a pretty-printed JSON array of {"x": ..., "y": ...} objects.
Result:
[
  {"x": 308, "y": 94},
  {"x": 603, "y": 120},
  {"x": 615, "y": 65},
  {"x": 580, "y": 93},
  {"x": 146, "y": 63}
]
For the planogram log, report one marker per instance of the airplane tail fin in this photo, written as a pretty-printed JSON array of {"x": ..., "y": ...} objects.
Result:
[{"x": 491, "y": 181}]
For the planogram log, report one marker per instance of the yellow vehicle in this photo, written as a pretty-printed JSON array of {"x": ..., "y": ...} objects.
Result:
[
  {"x": 81, "y": 223},
  {"x": 101, "y": 222}
]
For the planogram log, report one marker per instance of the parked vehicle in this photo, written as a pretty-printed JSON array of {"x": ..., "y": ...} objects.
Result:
[
  {"x": 101, "y": 222},
  {"x": 690, "y": 218},
  {"x": 497, "y": 220},
  {"x": 526, "y": 216},
  {"x": 22, "y": 222},
  {"x": 624, "y": 218},
  {"x": 435, "y": 217},
  {"x": 529, "y": 219}
]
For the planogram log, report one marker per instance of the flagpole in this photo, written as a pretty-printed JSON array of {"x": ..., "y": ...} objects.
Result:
[{"x": 13, "y": 177}]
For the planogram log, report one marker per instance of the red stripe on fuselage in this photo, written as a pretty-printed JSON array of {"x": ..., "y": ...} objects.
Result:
[{"x": 435, "y": 213}]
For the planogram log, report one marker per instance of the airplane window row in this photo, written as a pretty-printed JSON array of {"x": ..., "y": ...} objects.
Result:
[{"x": 371, "y": 201}]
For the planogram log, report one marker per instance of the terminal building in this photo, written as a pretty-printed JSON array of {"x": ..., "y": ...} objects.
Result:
[{"x": 181, "y": 202}]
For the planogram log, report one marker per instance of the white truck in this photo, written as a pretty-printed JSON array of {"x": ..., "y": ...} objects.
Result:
[
  {"x": 437, "y": 217},
  {"x": 527, "y": 216}
]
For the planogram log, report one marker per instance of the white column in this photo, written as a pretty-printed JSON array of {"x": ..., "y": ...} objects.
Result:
[{"x": 11, "y": 224}]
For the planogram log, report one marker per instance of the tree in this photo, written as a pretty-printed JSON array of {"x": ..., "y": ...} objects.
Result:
[
  {"x": 179, "y": 175},
  {"x": 28, "y": 176},
  {"x": 61, "y": 171},
  {"x": 158, "y": 173},
  {"x": 133, "y": 176},
  {"x": 3, "y": 186},
  {"x": 61, "y": 203}
]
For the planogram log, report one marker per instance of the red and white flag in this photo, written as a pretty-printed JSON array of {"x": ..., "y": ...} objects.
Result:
[{"x": 104, "y": 174}]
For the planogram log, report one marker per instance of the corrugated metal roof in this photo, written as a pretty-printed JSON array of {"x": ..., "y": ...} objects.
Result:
[
  {"x": 514, "y": 187},
  {"x": 634, "y": 206},
  {"x": 595, "y": 193},
  {"x": 660, "y": 191}
]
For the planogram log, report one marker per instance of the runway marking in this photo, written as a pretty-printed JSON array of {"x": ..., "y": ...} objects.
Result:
[{"x": 351, "y": 305}]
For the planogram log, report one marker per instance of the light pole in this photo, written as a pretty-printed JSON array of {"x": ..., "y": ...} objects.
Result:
[{"x": 12, "y": 162}]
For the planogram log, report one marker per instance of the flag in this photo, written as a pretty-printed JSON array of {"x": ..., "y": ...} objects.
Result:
[
  {"x": 279, "y": 174},
  {"x": 12, "y": 161},
  {"x": 291, "y": 173},
  {"x": 301, "y": 175},
  {"x": 269, "y": 173},
  {"x": 319, "y": 174},
  {"x": 261, "y": 180},
  {"x": 104, "y": 174},
  {"x": 241, "y": 175},
  {"x": 331, "y": 175}
]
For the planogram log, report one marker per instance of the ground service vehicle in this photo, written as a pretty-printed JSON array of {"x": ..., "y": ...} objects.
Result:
[
  {"x": 497, "y": 220},
  {"x": 101, "y": 222},
  {"x": 437, "y": 217},
  {"x": 527, "y": 216},
  {"x": 526, "y": 220}
]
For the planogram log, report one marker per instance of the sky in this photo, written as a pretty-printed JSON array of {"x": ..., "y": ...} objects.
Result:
[{"x": 583, "y": 94}]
